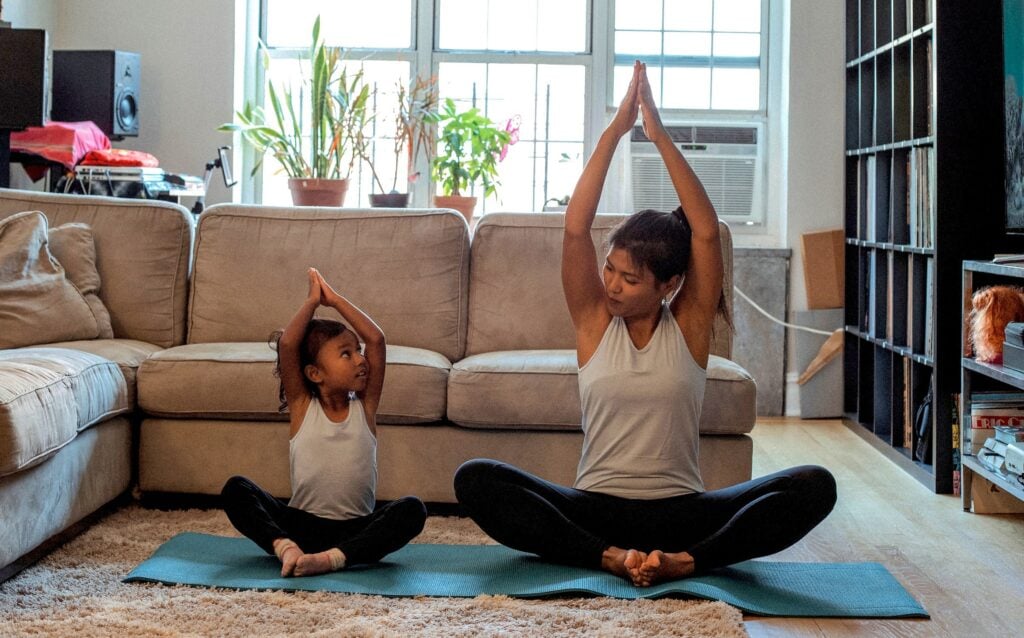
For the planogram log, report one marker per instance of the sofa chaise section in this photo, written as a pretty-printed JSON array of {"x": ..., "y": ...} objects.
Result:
[{"x": 67, "y": 409}]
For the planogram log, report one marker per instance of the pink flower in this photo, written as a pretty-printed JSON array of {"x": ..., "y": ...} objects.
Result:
[{"x": 512, "y": 128}]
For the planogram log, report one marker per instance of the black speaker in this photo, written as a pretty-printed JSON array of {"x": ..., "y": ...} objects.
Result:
[
  {"x": 23, "y": 80},
  {"x": 101, "y": 86}
]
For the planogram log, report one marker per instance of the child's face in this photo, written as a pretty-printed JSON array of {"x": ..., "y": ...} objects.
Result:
[{"x": 341, "y": 365}]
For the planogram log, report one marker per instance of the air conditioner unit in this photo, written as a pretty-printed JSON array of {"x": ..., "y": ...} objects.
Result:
[{"x": 728, "y": 159}]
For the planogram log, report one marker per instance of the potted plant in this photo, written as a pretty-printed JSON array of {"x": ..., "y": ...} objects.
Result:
[
  {"x": 411, "y": 136},
  {"x": 470, "y": 148},
  {"x": 317, "y": 154}
]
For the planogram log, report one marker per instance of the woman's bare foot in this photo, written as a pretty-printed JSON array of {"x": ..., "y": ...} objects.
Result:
[
  {"x": 624, "y": 563},
  {"x": 659, "y": 567},
  {"x": 288, "y": 553},
  {"x": 320, "y": 563}
]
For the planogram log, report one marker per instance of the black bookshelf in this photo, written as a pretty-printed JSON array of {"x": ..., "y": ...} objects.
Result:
[{"x": 924, "y": 192}]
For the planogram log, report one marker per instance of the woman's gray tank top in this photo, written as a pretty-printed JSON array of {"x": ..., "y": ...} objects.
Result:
[{"x": 641, "y": 413}]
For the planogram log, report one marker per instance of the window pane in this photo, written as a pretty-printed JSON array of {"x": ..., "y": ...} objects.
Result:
[
  {"x": 638, "y": 43},
  {"x": 738, "y": 15},
  {"x": 697, "y": 44},
  {"x": 687, "y": 88},
  {"x": 688, "y": 15},
  {"x": 737, "y": 45},
  {"x": 547, "y": 100},
  {"x": 342, "y": 23},
  {"x": 736, "y": 89},
  {"x": 638, "y": 14},
  {"x": 513, "y": 25}
]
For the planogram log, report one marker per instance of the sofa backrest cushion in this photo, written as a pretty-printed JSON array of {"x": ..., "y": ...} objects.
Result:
[
  {"x": 143, "y": 253},
  {"x": 408, "y": 270},
  {"x": 515, "y": 287}
]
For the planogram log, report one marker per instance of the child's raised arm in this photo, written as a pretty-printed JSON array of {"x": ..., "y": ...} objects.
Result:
[
  {"x": 289, "y": 360},
  {"x": 373, "y": 338}
]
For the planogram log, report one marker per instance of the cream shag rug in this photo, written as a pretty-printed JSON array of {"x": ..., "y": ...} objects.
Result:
[{"x": 77, "y": 591}]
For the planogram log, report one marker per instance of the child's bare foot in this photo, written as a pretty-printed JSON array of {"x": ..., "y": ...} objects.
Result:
[
  {"x": 288, "y": 553},
  {"x": 659, "y": 567},
  {"x": 624, "y": 563},
  {"x": 320, "y": 563}
]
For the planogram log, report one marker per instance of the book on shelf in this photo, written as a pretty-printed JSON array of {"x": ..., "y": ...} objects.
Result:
[
  {"x": 880, "y": 204},
  {"x": 929, "y": 289},
  {"x": 871, "y": 196},
  {"x": 1013, "y": 356},
  {"x": 955, "y": 438},
  {"x": 1000, "y": 410},
  {"x": 908, "y": 416},
  {"x": 899, "y": 230}
]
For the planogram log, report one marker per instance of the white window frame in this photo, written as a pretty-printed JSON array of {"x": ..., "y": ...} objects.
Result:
[{"x": 598, "y": 62}]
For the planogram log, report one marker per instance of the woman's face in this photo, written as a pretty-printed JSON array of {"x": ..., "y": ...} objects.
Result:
[{"x": 630, "y": 288}]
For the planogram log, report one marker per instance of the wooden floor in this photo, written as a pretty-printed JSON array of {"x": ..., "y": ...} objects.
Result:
[{"x": 966, "y": 569}]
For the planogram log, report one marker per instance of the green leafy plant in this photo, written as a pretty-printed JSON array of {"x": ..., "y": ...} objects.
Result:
[
  {"x": 328, "y": 145},
  {"x": 412, "y": 132},
  {"x": 471, "y": 147}
]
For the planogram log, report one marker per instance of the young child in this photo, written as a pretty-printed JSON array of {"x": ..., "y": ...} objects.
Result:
[{"x": 331, "y": 389}]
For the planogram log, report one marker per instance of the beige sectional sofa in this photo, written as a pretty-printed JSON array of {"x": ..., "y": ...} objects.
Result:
[
  {"x": 480, "y": 348},
  {"x": 67, "y": 409}
]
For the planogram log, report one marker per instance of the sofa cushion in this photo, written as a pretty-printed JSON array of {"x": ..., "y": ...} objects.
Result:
[
  {"x": 126, "y": 353},
  {"x": 236, "y": 381},
  {"x": 72, "y": 246},
  {"x": 406, "y": 269},
  {"x": 538, "y": 389},
  {"x": 515, "y": 287},
  {"x": 38, "y": 303},
  {"x": 48, "y": 395},
  {"x": 143, "y": 255}
]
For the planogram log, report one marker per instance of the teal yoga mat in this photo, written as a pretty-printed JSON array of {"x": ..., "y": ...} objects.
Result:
[{"x": 862, "y": 590}]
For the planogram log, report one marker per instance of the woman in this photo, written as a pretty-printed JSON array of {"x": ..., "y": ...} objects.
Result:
[{"x": 638, "y": 508}]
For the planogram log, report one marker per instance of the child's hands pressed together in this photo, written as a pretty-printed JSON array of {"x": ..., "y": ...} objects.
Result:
[
  {"x": 314, "y": 295},
  {"x": 328, "y": 295}
]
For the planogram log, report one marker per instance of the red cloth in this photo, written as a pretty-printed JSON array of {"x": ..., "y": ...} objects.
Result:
[
  {"x": 62, "y": 142},
  {"x": 119, "y": 157}
]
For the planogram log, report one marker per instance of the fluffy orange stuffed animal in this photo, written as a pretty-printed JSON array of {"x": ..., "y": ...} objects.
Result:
[{"x": 993, "y": 308}]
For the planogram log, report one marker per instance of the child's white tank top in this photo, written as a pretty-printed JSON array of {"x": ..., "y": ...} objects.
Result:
[
  {"x": 641, "y": 414},
  {"x": 334, "y": 465}
]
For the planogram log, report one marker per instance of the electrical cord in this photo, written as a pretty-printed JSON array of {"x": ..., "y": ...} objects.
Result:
[{"x": 779, "y": 321}]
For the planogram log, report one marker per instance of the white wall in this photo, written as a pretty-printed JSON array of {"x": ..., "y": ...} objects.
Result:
[
  {"x": 30, "y": 14},
  {"x": 188, "y": 63}
]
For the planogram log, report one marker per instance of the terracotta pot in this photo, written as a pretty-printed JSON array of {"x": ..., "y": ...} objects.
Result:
[
  {"x": 464, "y": 205},
  {"x": 318, "y": 192},
  {"x": 389, "y": 200}
]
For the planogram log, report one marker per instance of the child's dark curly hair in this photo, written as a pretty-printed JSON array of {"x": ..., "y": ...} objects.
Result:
[{"x": 318, "y": 332}]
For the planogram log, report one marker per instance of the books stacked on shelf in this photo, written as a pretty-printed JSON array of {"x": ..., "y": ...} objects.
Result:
[
  {"x": 991, "y": 409},
  {"x": 1013, "y": 347},
  {"x": 920, "y": 199},
  {"x": 929, "y": 317},
  {"x": 955, "y": 425}
]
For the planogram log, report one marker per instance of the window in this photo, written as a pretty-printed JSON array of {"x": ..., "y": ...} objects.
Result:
[
  {"x": 541, "y": 65},
  {"x": 700, "y": 54}
]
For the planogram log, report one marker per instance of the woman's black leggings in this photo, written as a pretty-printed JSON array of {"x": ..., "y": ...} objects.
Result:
[
  {"x": 716, "y": 528},
  {"x": 365, "y": 539}
]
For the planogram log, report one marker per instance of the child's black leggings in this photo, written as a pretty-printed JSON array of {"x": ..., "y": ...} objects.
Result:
[
  {"x": 365, "y": 539},
  {"x": 716, "y": 528}
]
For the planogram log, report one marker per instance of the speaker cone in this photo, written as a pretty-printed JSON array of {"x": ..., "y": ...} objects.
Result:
[{"x": 127, "y": 111}]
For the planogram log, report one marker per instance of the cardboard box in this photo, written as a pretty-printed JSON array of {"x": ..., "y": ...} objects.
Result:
[
  {"x": 824, "y": 258},
  {"x": 987, "y": 498}
]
